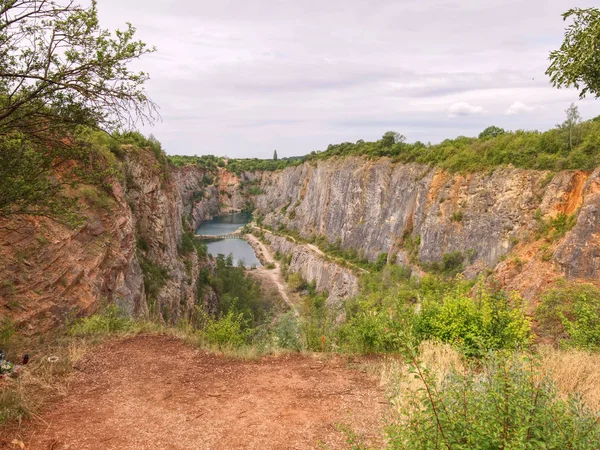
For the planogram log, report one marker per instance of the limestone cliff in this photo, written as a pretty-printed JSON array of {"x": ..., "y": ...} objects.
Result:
[
  {"x": 49, "y": 271},
  {"x": 376, "y": 206},
  {"x": 339, "y": 282}
]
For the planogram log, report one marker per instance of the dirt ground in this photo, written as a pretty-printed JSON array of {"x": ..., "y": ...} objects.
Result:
[{"x": 153, "y": 392}]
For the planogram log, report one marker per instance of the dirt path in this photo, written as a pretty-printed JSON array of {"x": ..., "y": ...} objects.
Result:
[
  {"x": 316, "y": 250},
  {"x": 273, "y": 275},
  {"x": 153, "y": 392}
]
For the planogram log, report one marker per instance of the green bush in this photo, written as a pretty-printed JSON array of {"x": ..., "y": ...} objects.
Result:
[
  {"x": 155, "y": 277},
  {"x": 110, "y": 320},
  {"x": 376, "y": 331},
  {"x": 7, "y": 330},
  {"x": 569, "y": 315},
  {"x": 287, "y": 332},
  {"x": 505, "y": 404},
  {"x": 229, "y": 331},
  {"x": 295, "y": 282},
  {"x": 487, "y": 320}
]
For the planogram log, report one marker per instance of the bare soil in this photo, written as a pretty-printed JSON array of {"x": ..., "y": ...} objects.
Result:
[{"x": 156, "y": 392}]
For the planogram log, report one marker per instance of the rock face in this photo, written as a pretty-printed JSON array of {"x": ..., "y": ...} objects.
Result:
[
  {"x": 49, "y": 271},
  {"x": 375, "y": 206},
  {"x": 339, "y": 282}
]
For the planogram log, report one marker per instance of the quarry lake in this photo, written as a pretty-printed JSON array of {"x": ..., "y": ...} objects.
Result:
[{"x": 238, "y": 248}]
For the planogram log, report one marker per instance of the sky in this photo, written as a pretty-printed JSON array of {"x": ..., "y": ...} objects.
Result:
[{"x": 244, "y": 78}]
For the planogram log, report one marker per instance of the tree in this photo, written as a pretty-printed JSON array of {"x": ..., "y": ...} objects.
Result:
[
  {"x": 275, "y": 155},
  {"x": 391, "y": 137},
  {"x": 577, "y": 62},
  {"x": 60, "y": 71},
  {"x": 573, "y": 119},
  {"x": 491, "y": 132}
]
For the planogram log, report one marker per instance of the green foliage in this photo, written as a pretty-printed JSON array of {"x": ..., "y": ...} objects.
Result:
[
  {"x": 576, "y": 63},
  {"x": 96, "y": 198},
  {"x": 190, "y": 243},
  {"x": 7, "y": 330},
  {"x": 110, "y": 320},
  {"x": 155, "y": 277},
  {"x": 569, "y": 315},
  {"x": 208, "y": 162},
  {"x": 491, "y": 132},
  {"x": 229, "y": 331},
  {"x": 295, "y": 282},
  {"x": 286, "y": 332},
  {"x": 317, "y": 330},
  {"x": 61, "y": 73},
  {"x": 484, "y": 321},
  {"x": 505, "y": 404},
  {"x": 555, "y": 228},
  {"x": 550, "y": 150},
  {"x": 457, "y": 216},
  {"x": 239, "y": 292},
  {"x": 451, "y": 264},
  {"x": 381, "y": 260}
]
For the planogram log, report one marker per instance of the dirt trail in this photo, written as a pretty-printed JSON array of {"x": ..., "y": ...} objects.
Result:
[
  {"x": 155, "y": 392},
  {"x": 316, "y": 250},
  {"x": 273, "y": 275}
]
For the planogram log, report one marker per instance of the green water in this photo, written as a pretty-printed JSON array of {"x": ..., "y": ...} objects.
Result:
[{"x": 238, "y": 248}]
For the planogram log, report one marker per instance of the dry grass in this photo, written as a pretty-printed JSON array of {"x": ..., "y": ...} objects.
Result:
[
  {"x": 41, "y": 381},
  {"x": 401, "y": 385},
  {"x": 574, "y": 372}
]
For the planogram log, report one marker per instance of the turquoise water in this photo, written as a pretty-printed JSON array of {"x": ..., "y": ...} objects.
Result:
[{"x": 238, "y": 248}]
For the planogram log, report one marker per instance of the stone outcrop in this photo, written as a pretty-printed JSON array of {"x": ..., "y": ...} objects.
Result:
[
  {"x": 376, "y": 206},
  {"x": 50, "y": 272},
  {"x": 339, "y": 282}
]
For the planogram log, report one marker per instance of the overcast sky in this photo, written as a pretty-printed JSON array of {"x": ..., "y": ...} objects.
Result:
[{"x": 242, "y": 78}]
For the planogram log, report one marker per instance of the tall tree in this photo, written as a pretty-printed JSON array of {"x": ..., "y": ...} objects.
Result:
[
  {"x": 577, "y": 62},
  {"x": 59, "y": 70},
  {"x": 491, "y": 132},
  {"x": 573, "y": 119}
]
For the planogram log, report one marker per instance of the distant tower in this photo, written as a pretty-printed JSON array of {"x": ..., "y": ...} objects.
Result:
[{"x": 275, "y": 155}]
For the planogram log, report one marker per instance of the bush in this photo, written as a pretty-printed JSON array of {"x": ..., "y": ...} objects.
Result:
[
  {"x": 110, "y": 320},
  {"x": 295, "y": 282},
  {"x": 376, "y": 331},
  {"x": 7, "y": 330},
  {"x": 230, "y": 331},
  {"x": 488, "y": 320},
  {"x": 503, "y": 405},
  {"x": 155, "y": 277},
  {"x": 286, "y": 332},
  {"x": 569, "y": 315}
]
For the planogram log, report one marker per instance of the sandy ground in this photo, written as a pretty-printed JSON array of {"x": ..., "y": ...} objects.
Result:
[
  {"x": 272, "y": 276},
  {"x": 153, "y": 392}
]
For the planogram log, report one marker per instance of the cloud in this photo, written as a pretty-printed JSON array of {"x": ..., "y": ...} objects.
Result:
[
  {"x": 464, "y": 109},
  {"x": 242, "y": 78},
  {"x": 520, "y": 108}
]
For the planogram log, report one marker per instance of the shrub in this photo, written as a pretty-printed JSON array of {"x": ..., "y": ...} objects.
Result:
[
  {"x": 488, "y": 320},
  {"x": 155, "y": 277},
  {"x": 7, "y": 330},
  {"x": 230, "y": 331},
  {"x": 270, "y": 265},
  {"x": 287, "y": 331},
  {"x": 504, "y": 405},
  {"x": 569, "y": 314},
  {"x": 110, "y": 320},
  {"x": 296, "y": 282},
  {"x": 376, "y": 331},
  {"x": 457, "y": 216},
  {"x": 381, "y": 261}
]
